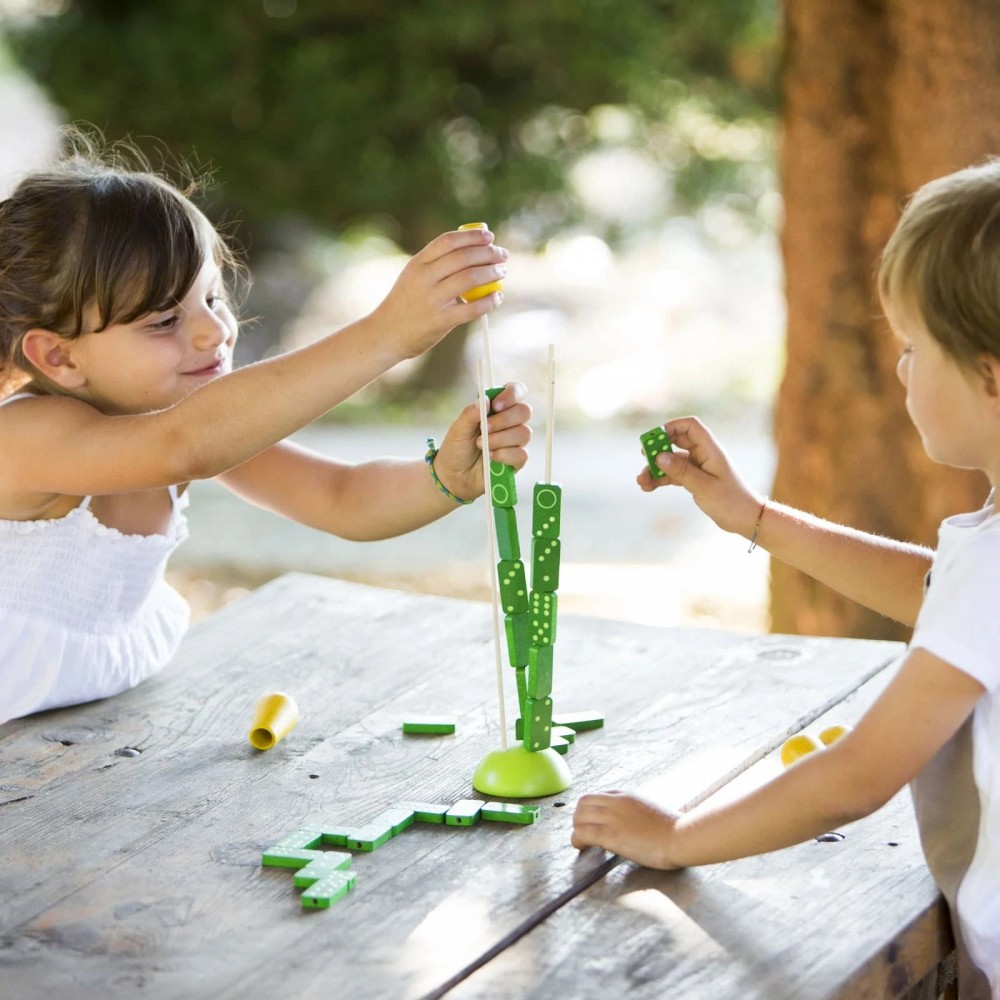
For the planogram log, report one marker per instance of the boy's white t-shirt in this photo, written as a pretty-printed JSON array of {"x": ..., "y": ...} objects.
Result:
[{"x": 960, "y": 623}]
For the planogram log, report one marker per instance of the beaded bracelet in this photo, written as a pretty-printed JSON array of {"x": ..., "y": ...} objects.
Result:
[
  {"x": 432, "y": 450},
  {"x": 756, "y": 527}
]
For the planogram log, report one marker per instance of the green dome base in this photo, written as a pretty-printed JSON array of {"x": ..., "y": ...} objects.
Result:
[{"x": 522, "y": 774}]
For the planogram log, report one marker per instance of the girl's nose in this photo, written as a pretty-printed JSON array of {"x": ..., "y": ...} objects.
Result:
[{"x": 210, "y": 331}]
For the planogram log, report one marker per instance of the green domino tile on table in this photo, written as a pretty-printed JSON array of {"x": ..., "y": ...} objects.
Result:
[
  {"x": 503, "y": 489},
  {"x": 538, "y": 679},
  {"x": 655, "y": 442},
  {"x": 546, "y": 510},
  {"x": 508, "y": 546},
  {"x": 465, "y": 812},
  {"x": 538, "y": 723},
  {"x": 310, "y": 835},
  {"x": 558, "y": 744},
  {"x": 289, "y": 857},
  {"x": 513, "y": 586},
  {"x": 518, "y": 629},
  {"x": 428, "y": 812},
  {"x": 564, "y": 732},
  {"x": 330, "y": 862},
  {"x": 336, "y": 836},
  {"x": 542, "y": 615},
  {"x": 509, "y": 812},
  {"x": 396, "y": 818},
  {"x": 437, "y": 725},
  {"x": 545, "y": 553},
  {"x": 328, "y": 890},
  {"x": 369, "y": 837},
  {"x": 579, "y": 721}
]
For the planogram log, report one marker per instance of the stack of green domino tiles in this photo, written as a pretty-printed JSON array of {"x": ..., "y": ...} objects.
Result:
[{"x": 529, "y": 615}]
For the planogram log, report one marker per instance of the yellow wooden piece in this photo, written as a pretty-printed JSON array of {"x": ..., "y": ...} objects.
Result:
[
  {"x": 480, "y": 291},
  {"x": 275, "y": 716},
  {"x": 833, "y": 733},
  {"x": 798, "y": 746}
]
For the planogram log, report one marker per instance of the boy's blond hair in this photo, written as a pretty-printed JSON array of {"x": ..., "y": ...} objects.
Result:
[{"x": 944, "y": 260}]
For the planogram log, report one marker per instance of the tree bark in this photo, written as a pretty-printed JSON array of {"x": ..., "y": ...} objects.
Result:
[{"x": 880, "y": 96}]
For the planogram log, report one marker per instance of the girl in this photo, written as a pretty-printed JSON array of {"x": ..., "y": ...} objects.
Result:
[
  {"x": 116, "y": 342},
  {"x": 937, "y": 724}
]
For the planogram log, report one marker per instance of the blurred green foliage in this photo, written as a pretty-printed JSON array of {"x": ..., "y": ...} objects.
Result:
[{"x": 410, "y": 117}]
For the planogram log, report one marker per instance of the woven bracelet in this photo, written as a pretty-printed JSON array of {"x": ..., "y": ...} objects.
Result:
[{"x": 432, "y": 450}]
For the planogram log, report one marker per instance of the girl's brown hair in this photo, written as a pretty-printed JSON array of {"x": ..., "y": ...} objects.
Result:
[
  {"x": 96, "y": 240},
  {"x": 944, "y": 259}
]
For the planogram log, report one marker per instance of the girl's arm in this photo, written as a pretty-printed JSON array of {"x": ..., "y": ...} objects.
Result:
[
  {"x": 923, "y": 706},
  {"x": 59, "y": 445},
  {"x": 880, "y": 573},
  {"x": 385, "y": 497}
]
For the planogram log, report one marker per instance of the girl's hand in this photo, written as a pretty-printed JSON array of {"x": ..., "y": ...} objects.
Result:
[
  {"x": 459, "y": 464},
  {"x": 625, "y": 825},
  {"x": 699, "y": 464},
  {"x": 424, "y": 303}
]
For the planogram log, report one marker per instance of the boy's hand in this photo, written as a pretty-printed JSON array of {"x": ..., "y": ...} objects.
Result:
[
  {"x": 699, "y": 464},
  {"x": 424, "y": 304},
  {"x": 459, "y": 464},
  {"x": 625, "y": 825}
]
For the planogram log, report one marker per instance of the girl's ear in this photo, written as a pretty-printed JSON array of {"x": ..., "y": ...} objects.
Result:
[{"x": 52, "y": 356}]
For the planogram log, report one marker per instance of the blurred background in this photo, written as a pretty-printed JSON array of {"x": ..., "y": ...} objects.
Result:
[{"x": 623, "y": 152}]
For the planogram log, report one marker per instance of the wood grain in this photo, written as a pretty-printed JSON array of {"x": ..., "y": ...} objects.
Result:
[{"x": 142, "y": 873}]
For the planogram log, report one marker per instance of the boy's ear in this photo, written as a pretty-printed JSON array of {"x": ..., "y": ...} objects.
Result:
[{"x": 52, "y": 356}]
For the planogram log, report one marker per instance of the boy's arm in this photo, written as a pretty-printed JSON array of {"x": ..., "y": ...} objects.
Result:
[
  {"x": 919, "y": 711},
  {"x": 884, "y": 575},
  {"x": 385, "y": 497}
]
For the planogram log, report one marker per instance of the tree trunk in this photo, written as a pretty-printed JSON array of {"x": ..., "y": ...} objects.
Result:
[{"x": 880, "y": 96}]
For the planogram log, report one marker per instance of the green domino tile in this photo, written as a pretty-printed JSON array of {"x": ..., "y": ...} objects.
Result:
[
  {"x": 465, "y": 812},
  {"x": 438, "y": 725},
  {"x": 518, "y": 629},
  {"x": 428, "y": 812},
  {"x": 508, "y": 546},
  {"x": 329, "y": 862},
  {"x": 305, "y": 836},
  {"x": 558, "y": 744},
  {"x": 519, "y": 729},
  {"x": 369, "y": 838},
  {"x": 503, "y": 489},
  {"x": 288, "y": 857},
  {"x": 538, "y": 728},
  {"x": 579, "y": 721},
  {"x": 513, "y": 586},
  {"x": 564, "y": 732},
  {"x": 542, "y": 616},
  {"x": 328, "y": 890},
  {"x": 521, "y": 678},
  {"x": 546, "y": 510},
  {"x": 654, "y": 443},
  {"x": 397, "y": 818},
  {"x": 539, "y": 673},
  {"x": 545, "y": 553},
  {"x": 508, "y": 812},
  {"x": 492, "y": 394},
  {"x": 336, "y": 836}
]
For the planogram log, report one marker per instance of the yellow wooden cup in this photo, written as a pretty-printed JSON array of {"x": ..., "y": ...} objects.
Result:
[
  {"x": 275, "y": 716},
  {"x": 480, "y": 291}
]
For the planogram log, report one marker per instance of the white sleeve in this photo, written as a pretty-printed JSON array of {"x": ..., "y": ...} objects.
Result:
[{"x": 960, "y": 617}]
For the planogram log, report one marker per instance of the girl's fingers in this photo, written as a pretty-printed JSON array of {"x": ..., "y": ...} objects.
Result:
[{"x": 456, "y": 239}]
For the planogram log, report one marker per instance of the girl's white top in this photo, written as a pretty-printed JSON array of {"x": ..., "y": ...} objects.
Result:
[{"x": 85, "y": 611}]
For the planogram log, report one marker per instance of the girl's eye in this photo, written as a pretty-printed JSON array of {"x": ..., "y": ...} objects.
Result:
[{"x": 168, "y": 323}]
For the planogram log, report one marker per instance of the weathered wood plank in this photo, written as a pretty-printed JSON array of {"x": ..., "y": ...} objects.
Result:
[{"x": 143, "y": 872}]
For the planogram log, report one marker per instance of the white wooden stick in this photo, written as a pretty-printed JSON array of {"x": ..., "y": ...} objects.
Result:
[
  {"x": 487, "y": 353},
  {"x": 491, "y": 541},
  {"x": 550, "y": 424}
]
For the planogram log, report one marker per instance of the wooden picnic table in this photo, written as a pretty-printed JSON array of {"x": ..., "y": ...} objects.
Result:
[{"x": 131, "y": 829}]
